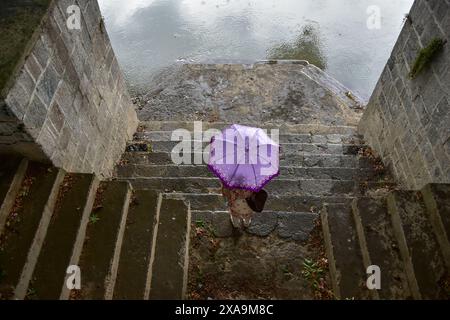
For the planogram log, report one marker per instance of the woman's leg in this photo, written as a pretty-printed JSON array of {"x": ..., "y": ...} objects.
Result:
[
  {"x": 247, "y": 220},
  {"x": 236, "y": 221}
]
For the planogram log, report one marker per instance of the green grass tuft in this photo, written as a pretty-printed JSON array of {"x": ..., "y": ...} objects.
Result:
[{"x": 94, "y": 218}]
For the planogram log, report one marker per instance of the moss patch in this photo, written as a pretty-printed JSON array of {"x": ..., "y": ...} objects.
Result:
[
  {"x": 425, "y": 56},
  {"x": 307, "y": 46},
  {"x": 18, "y": 21}
]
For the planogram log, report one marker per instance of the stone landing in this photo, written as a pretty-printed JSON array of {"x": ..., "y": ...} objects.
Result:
[{"x": 294, "y": 92}]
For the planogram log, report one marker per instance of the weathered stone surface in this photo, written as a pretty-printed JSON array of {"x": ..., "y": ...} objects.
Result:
[
  {"x": 104, "y": 235},
  {"x": 287, "y": 148},
  {"x": 137, "y": 246},
  {"x": 168, "y": 269},
  {"x": 264, "y": 223},
  {"x": 221, "y": 224},
  {"x": 284, "y": 127},
  {"x": 436, "y": 198},
  {"x": 247, "y": 267},
  {"x": 56, "y": 253},
  {"x": 330, "y": 161},
  {"x": 12, "y": 172},
  {"x": 287, "y": 172},
  {"x": 218, "y": 221},
  {"x": 418, "y": 245},
  {"x": 379, "y": 246},
  {"x": 46, "y": 87},
  {"x": 284, "y": 138},
  {"x": 291, "y": 226},
  {"x": 233, "y": 93},
  {"x": 19, "y": 21},
  {"x": 346, "y": 265},
  {"x": 295, "y": 225},
  {"x": 286, "y": 203},
  {"x": 279, "y": 186},
  {"x": 23, "y": 224},
  {"x": 35, "y": 117}
]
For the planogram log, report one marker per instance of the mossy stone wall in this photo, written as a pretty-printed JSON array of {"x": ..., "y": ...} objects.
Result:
[{"x": 407, "y": 120}]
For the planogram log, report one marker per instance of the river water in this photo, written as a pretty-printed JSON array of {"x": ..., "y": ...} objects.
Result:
[{"x": 344, "y": 37}]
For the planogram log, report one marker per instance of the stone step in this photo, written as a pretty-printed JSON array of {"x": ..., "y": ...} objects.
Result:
[
  {"x": 142, "y": 171},
  {"x": 134, "y": 263},
  {"x": 379, "y": 247},
  {"x": 25, "y": 228},
  {"x": 300, "y": 160},
  {"x": 170, "y": 258},
  {"x": 286, "y": 148},
  {"x": 12, "y": 172},
  {"x": 419, "y": 248},
  {"x": 284, "y": 128},
  {"x": 278, "y": 186},
  {"x": 300, "y": 203},
  {"x": 437, "y": 201},
  {"x": 148, "y": 136},
  {"x": 295, "y": 226},
  {"x": 348, "y": 275},
  {"x": 101, "y": 251},
  {"x": 65, "y": 234}
]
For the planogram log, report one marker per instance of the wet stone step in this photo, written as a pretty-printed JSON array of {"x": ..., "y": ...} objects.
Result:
[
  {"x": 300, "y": 203},
  {"x": 295, "y": 226},
  {"x": 283, "y": 127},
  {"x": 170, "y": 261},
  {"x": 34, "y": 202},
  {"x": 101, "y": 251},
  {"x": 348, "y": 275},
  {"x": 419, "y": 248},
  {"x": 72, "y": 210},
  {"x": 286, "y": 148},
  {"x": 12, "y": 172},
  {"x": 437, "y": 201},
  {"x": 137, "y": 246},
  {"x": 379, "y": 247},
  {"x": 149, "y": 136},
  {"x": 137, "y": 171},
  {"x": 277, "y": 186},
  {"x": 299, "y": 160}
]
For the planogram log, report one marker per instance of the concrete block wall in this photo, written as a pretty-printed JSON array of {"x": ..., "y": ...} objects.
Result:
[
  {"x": 407, "y": 121},
  {"x": 68, "y": 102}
]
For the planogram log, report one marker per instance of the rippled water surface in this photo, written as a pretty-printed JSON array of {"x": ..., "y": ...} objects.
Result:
[{"x": 148, "y": 35}]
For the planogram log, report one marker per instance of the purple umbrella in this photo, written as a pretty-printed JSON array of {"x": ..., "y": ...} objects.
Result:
[{"x": 244, "y": 157}]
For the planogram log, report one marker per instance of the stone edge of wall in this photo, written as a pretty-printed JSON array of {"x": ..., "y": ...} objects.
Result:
[{"x": 32, "y": 142}]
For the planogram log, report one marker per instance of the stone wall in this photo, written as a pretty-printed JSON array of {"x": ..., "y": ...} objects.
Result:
[
  {"x": 407, "y": 121},
  {"x": 67, "y": 102}
]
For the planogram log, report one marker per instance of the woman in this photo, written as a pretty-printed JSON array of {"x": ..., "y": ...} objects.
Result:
[
  {"x": 244, "y": 158},
  {"x": 242, "y": 204}
]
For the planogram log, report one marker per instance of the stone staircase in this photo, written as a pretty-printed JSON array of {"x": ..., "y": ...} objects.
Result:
[
  {"x": 319, "y": 164},
  {"x": 315, "y": 161},
  {"x": 122, "y": 239},
  {"x": 364, "y": 223},
  {"x": 405, "y": 233}
]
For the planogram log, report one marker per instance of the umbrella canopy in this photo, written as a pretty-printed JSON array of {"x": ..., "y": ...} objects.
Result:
[{"x": 244, "y": 157}]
